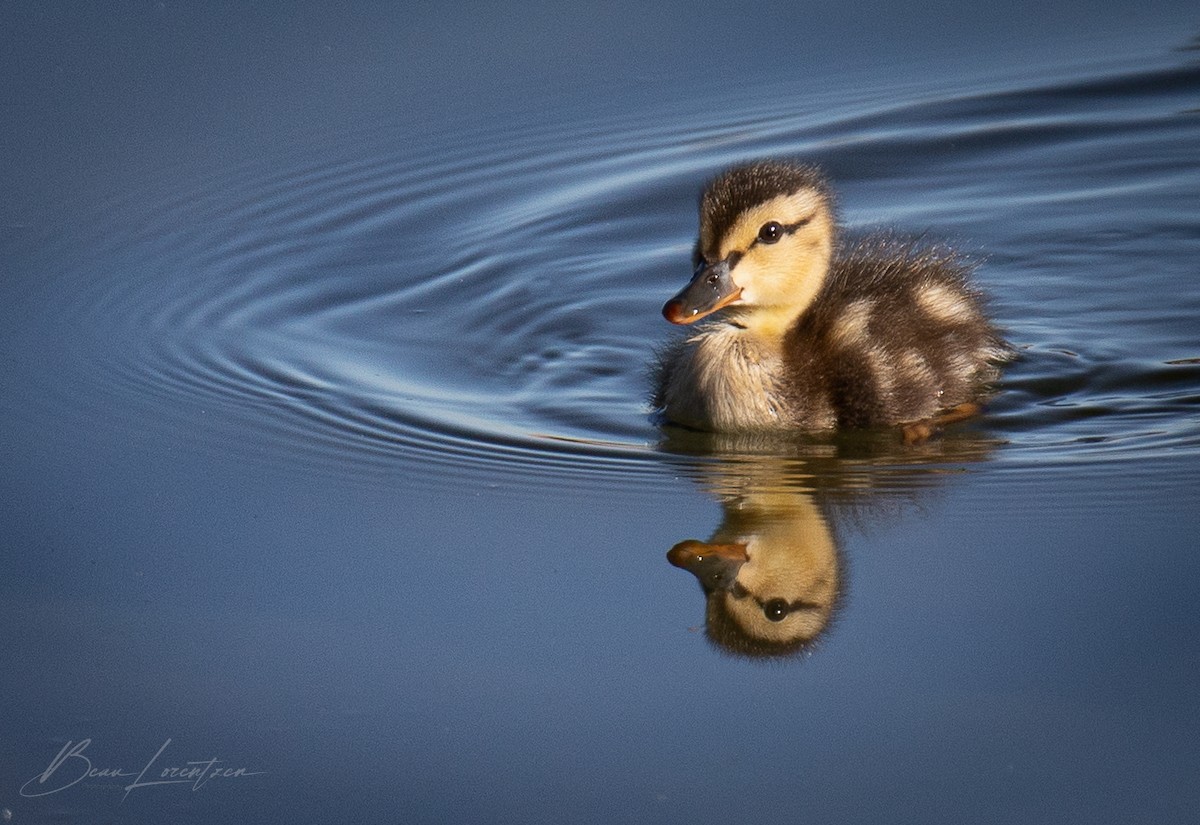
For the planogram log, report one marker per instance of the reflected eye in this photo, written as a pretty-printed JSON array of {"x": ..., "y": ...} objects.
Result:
[
  {"x": 775, "y": 610},
  {"x": 770, "y": 232}
]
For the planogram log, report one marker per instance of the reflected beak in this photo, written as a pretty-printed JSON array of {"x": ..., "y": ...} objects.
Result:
[
  {"x": 715, "y": 565},
  {"x": 710, "y": 289}
]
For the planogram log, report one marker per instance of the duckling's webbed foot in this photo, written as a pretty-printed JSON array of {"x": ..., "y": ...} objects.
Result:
[{"x": 920, "y": 431}]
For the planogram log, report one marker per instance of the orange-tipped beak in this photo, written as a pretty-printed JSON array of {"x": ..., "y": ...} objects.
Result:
[
  {"x": 715, "y": 566},
  {"x": 710, "y": 289},
  {"x": 691, "y": 551}
]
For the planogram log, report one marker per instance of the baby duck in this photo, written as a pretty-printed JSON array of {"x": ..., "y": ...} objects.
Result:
[{"x": 815, "y": 333}]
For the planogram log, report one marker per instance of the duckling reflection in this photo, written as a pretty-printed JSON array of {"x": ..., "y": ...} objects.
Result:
[{"x": 771, "y": 574}]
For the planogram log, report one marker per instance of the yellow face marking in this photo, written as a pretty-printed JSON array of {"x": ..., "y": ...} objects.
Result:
[
  {"x": 785, "y": 209},
  {"x": 778, "y": 280}
]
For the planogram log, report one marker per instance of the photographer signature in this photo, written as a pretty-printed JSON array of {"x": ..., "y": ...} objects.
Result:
[{"x": 72, "y": 765}]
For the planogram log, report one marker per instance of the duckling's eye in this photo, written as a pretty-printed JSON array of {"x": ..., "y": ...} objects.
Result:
[
  {"x": 770, "y": 232},
  {"x": 776, "y": 610}
]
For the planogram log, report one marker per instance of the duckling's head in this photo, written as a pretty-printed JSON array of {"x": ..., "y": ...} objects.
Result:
[
  {"x": 766, "y": 239},
  {"x": 771, "y": 575}
]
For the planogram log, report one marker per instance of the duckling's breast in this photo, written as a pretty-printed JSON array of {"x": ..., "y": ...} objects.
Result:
[{"x": 725, "y": 379}]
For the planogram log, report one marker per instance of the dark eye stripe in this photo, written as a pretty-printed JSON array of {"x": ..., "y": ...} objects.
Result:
[
  {"x": 733, "y": 257},
  {"x": 785, "y": 229}
]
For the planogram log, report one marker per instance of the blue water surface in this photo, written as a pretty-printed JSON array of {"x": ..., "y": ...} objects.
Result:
[{"x": 325, "y": 450}]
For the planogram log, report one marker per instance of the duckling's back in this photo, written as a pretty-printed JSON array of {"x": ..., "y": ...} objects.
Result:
[{"x": 896, "y": 335}]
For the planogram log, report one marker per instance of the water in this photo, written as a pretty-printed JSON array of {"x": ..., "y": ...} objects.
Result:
[{"x": 326, "y": 450}]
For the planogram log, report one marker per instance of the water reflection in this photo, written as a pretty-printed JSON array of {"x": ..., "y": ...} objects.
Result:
[{"x": 772, "y": 572}]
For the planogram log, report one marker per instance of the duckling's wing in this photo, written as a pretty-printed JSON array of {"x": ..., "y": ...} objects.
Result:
[{"x": 898, "y": 333}]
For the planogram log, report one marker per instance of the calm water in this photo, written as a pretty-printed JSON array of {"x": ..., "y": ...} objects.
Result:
[{"x": 325, "y": 453}]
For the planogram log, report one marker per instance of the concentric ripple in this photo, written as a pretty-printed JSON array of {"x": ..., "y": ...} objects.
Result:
[{"x": 490, "y": 300}]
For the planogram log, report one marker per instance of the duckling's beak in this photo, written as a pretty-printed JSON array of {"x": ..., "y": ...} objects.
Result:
[
  {"x": 711, "y": 288},
  {"x": 715, "y": 565}
]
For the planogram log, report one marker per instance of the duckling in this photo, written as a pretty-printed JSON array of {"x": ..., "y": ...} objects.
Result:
[{"x": 810, "y": 332}]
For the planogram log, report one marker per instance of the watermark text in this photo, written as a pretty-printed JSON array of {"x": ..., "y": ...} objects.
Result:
[{"x": 73, "y": 765}]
